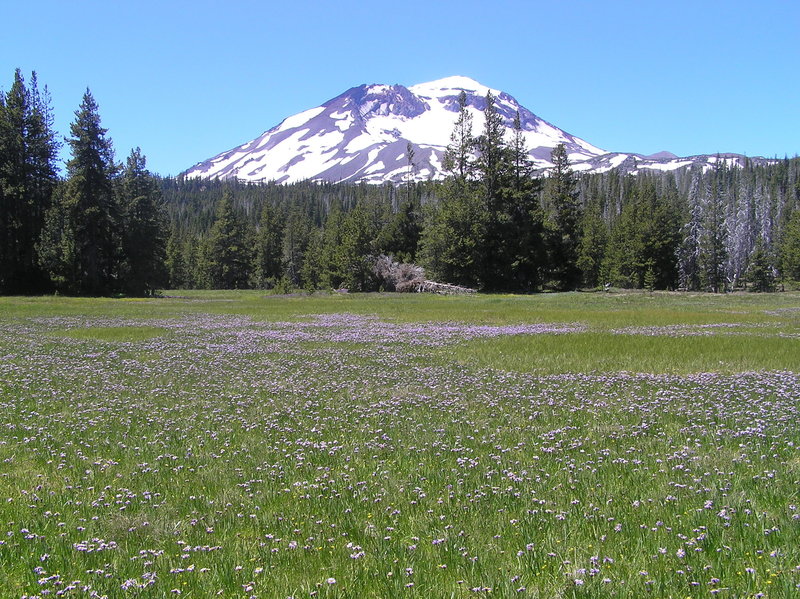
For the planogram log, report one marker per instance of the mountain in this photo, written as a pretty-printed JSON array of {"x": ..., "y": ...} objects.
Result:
[{"x": 363, "y": 134}]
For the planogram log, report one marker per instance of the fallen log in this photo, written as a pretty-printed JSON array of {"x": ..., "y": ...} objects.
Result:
[{"x": 441, "y": 288}]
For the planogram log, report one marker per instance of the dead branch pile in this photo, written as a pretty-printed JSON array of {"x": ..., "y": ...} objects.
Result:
[
  {"x": 397, "y": 276},
  {"x": 442, "y": 288},
  {"x": 410, "y": 278}
]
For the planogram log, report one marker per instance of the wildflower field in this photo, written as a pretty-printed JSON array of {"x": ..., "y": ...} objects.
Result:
[{"x": 240, "y": 445}]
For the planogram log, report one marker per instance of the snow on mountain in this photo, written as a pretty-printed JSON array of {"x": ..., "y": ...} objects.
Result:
[{"x": 363, "y": 135}]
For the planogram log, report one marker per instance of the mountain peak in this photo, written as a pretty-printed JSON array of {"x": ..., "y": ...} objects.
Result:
[
  {"x": 363, "y": 135},
  {"x": 449, "y": 86}
]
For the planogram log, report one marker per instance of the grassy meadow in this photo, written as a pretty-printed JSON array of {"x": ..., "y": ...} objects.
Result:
[{"x": 361, "y": 446}]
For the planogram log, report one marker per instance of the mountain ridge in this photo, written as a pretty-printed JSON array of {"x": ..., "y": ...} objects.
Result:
[{"x": 363, "y": 135}]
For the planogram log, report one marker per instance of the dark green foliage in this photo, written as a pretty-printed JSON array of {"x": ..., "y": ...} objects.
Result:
[
  {"x": 593, "y": 245},
  {"x": 356, "y": 252},
  {"x": 228, "y": 255},
  {"x": 494, "y": 174},
  {"x": 143, "y": 268},
  {"x": 790, "y": 249},
  {"x": 28, "y": 151},
  {"x": 401, "y": 235},
  {"x": 268, "y": 264},
  {"x": 643, "y": 243},
  {"x": 517, "y": 222},
  {"x": 295, "y": 241},
  {"x": 450, "y": 247},
  {"x": 714, "y": 236},
  {"x": 85, "y": 254},
  {"x": 178, "y": 271},
  {"x": 761, "y": 270},
  {"x": 451, "y": 242},
  {"x": 561, "y": 200},
  {"x": 459, "y": 158}
]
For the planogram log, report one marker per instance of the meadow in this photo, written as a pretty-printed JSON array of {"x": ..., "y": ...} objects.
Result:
[{"x": 552, "y": 446}]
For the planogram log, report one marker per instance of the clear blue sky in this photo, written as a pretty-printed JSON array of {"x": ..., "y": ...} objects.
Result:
[{"x": 187, "y": 80}]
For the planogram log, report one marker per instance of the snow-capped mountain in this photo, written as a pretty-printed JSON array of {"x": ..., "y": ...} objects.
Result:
[{"x": 363, "y": 135}]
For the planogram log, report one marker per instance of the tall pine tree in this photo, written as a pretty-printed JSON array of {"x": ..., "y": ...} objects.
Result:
[
  {"x": 561, "y": 197},
  {"x": 144, "y": 229},
  {"x": 227, "y": 251},
  {"x": 81, "y": 246},
  {"x": 28, "y": 149},
  {"x": 450, "y": 245}
]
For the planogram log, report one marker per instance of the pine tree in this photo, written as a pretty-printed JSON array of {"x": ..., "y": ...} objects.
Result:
[
  {"x": 269, "y": 247},
  {"x": 144, "y": 229},
  {"x": 312, "y": 271},
  {"x": 459, "y": 158},
  {"x": 401, "y": 234},
  {"x": 451, "y": 242},
  {"x": 592, "y": 249},
  {"x": 228, "y": 253},
  {"x": 175, "y": 262},
  {"x": 493, "y": 169},
  {"x": 492, "y": 163},
  {"x": 761, "y": 269},
  {"x": 295, "y": 241},
  {"x": 790, "y": 249},
  {"x": 522, "y": 222},
  {"x": 644, "y": 240},
  {"x": 87, "y": 213},
  {"x": 713, "y": 242},
  {"x": 561, "y": 200},
  {"x": 28, "y": 151},
  {"x": 450, "y": 246},
  {"x": 354, "y": 255},
  {"x": 689, "y": 251}
]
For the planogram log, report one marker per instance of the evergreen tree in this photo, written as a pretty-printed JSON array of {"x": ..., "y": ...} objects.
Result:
[
  {"x": 228, "y": 254},
  {"x": 522, "y": 221},
  {"x": 28, "y": 151},
  {"x": 411, "y": 169},
  {"x": 355, "y": 255},
  {"x": 56, "y": 249},
  {"x": 561, "y": 200},
  {"x": 688, "y": 252},
  {"x": 269, "y": 247},
  {"x": 713, "y": 242},
  {"x": 644, "y": 241},
  {"x": 450, "y": 245},
  {"x": 332, "y": 276},
  {"x": 790, "y": 249},
  {"x": 401, "y": 234},
  {"x": 459, "y": 158},
  {"x": 761, "y": 269},
  {"x": 178, "y": 272},
  {"x": 312, "y": 271},
  {"x": 492, "y": 164},
  {"x": 295, "y": 240},
  {"x": 493, "y": 171},
  {"x": 591, "y": 252},
  {"x": 88, "y": 213},
  {"x": 144, "y": 229}
]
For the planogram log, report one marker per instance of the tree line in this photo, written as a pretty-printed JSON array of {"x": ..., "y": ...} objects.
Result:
[
  {"x": 493, "y": 223},
  {"x": 99, "y": 230}
]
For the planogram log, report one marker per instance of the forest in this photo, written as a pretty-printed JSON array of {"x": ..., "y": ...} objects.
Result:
[{"x": 493, "y": 223}]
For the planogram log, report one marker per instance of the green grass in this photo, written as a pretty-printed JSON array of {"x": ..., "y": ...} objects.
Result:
[
  {"x": 119, "y": 334},
  {"x": 606, "y": 352},
  {"x": 202, "y": 443}
]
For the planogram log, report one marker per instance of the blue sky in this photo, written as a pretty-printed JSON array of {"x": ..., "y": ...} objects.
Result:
[{"x": 187, "y": 80}]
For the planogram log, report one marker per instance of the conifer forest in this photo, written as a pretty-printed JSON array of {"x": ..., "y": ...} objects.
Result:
[{"x": 105, "y": 227}]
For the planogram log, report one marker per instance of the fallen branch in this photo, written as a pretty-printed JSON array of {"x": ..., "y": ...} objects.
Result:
[{"x": 441, "y": 288}]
